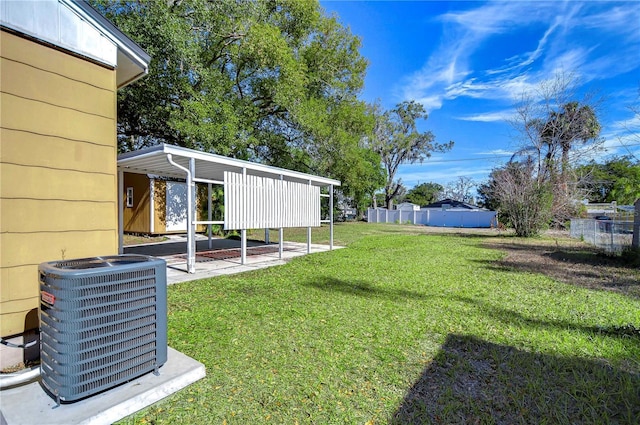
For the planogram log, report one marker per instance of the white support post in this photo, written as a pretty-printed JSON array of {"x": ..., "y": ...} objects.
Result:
[
  {"x": 209, "y": 216},
  {"x": 191, "y": 256},
  {"x": 309, "y": 234},
  {"x": 243, "y": 246},
  {"x": 280, "y": 235},
  {"x": 191, "y": 214},
  {"x": 243, "y": 232},
  {"x": 331, "y": 217},
  {"x": 152, "y": 205},
  {"x": 120, "y": 206}
]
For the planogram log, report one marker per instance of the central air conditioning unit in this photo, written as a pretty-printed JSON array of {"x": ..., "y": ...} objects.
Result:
[{"x": 103, "y": 322}]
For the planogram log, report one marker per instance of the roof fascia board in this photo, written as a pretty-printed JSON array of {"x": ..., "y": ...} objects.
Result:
[
  {"x": 128, "y": 157},
  {"x": 126, "y": 46},
  {"x": 130, "y": 47},
  {"x": 239, "y": 163},
  {"x": 141, "y": 153}
]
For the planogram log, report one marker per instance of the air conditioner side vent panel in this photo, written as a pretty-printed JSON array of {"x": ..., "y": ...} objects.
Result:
[{"x": 103, "y": 323}]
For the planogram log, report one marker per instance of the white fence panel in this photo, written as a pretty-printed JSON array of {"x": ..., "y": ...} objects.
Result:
[
  {"x": 253, "y": 202},
  {"x": 433, "y": 217}
]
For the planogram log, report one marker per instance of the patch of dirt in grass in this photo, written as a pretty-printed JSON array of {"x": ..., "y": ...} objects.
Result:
[{"x": 568, "y": 260}]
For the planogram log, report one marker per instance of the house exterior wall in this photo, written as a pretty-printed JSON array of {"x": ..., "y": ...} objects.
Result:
[
  {"x": 58, "y": 176},
  {"x": 137, "y": 218}
]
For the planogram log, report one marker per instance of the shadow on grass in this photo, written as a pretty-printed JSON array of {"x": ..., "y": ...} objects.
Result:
[
  {"x": 590, "y": 257},
  {"x": 510, "y": 317},
  {"x": 474, "y": 381},
  {"x": 363, "y": 288},
  {"x": 577, "y": 266},
  {"x": 180, "y": 247},
  {"x": 578, "y": 254}
]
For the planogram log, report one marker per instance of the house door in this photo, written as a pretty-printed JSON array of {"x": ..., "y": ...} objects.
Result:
[{"x": 176, "y": 207}]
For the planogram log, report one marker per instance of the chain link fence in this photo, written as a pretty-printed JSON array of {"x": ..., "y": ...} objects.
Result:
[{"x": 612, "y": 236}]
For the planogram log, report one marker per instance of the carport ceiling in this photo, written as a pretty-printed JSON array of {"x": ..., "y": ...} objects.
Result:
[{"x": 153, "y": 160}]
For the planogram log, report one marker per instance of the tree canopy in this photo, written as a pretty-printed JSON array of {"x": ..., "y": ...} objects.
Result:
[
  {"x": 270, "y": 81},
  {"x": 424, "y": 193},
  {"x": 561, "y": 129},
  {"x": 460, "y": 189},
  {"x": 551, "y": 121},
  {"x": 398, "y": 141},
  {"x": 617, "y": 179}
]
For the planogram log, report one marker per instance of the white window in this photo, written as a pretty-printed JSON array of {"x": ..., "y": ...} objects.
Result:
[{"x": 129, "y": 197}]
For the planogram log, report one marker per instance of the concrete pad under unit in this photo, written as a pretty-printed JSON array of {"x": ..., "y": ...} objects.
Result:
[{"x": 29, "y": 404}]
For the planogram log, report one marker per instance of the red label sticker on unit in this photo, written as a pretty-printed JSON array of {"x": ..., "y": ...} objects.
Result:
[{"x": 47, "y": 298}]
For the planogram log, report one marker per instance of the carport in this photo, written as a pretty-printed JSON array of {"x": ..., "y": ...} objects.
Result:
[{"x": 257, "y": 196}]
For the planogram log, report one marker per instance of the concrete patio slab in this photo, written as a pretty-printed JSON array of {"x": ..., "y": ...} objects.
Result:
[
  {"x": 223, "y": 258},
  {"x": 29, "y": 404}
]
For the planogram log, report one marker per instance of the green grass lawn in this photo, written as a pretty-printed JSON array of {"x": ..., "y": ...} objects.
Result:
[{"x": 401, "y": 327}]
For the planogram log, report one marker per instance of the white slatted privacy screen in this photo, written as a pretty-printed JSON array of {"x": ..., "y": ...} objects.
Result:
[{"x": 254, "y": 202}]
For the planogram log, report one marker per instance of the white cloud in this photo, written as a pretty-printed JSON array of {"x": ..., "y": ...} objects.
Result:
[
  {"x": 497, "y": 17},
  {"x": 444, "y": 173},
  {"x": 498, "y": 116},
  {"x": 623, "y": 137},
  {"x": 449, "y": 73},
  {"x": 618, "y": 146},
  {"x": 533, "y": 56},
  {"x": 497, "y": 152},
  {"x": 628, "y": 125},
  {"x": 430, "y": 103},
  {"x": 443, "y": 177},
  {"x": 622, "y": 19}
]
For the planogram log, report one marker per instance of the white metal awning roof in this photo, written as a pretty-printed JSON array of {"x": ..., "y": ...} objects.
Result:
[{"x": 153, "y": 160}]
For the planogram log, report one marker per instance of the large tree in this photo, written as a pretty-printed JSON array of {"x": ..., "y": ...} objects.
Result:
[
  {"x": 617, "y": 179},
  {"x": 524, "y": 199},
  {"x": 398, "y": 141},
  {"x": 424, "y": 193},
  {"x": 460, "y": 189},
  {"x": 271, "y": 81},
  {"x": 562, "y": 128},
  {"x": 558, "y": 126}
]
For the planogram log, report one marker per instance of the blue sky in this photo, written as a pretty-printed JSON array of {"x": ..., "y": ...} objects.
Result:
[{"x": 467, "y": 62}]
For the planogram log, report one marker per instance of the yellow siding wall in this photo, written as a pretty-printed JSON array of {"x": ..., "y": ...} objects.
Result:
[
  {"x": 136, "y": 218},
  {"x": 58, "y": 178},
  {"x": 160, "y": 205}
]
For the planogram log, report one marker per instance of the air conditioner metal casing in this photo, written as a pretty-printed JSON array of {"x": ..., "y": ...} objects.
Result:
[{"x": 103, "y": 322}]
